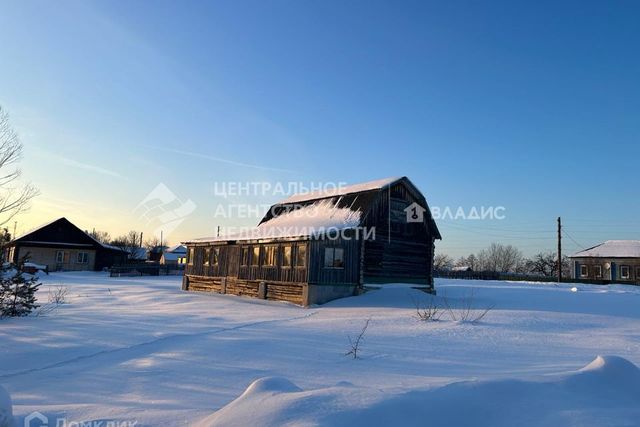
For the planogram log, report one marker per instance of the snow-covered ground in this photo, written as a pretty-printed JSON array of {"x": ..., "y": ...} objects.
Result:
[{"x": 140, "y": 349}]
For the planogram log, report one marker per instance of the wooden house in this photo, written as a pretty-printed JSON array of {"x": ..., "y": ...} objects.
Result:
[
  {"x": 315, "y": 247},
  {"x": 62, "y": 246},
  {"x": 611, "y": 261},
  {"x": 175, "y": 255}
]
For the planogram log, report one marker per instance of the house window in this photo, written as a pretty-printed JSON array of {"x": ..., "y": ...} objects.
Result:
[
  {"x": 62, "y": 257},
  {"x": 624, "y": 272},
  {"x": 286, "y": 256},
  {"x": 584, "y": 271},
  {"x": 207, "y": 256},
  {"x": 216, "y": 256},
  {"x": 244, "y": 259},
  {"x": 269, "y": 256},
  {"x": 83, "y": 258},
  {"x": 190, "y": 254},
  {"x": 597, "y": 271},
  {"x": 637, "y": 273},
  {"x": 301, "y": 256},
  {"x": 333, "y": 258},
  {"x": 255, "y": 256}
]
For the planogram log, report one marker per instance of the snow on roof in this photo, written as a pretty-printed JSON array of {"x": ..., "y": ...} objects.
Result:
[
  {"x": 341, "y": 191},
  {"x": 179, "y": 248},
  {"x": 612, "y": 249},
  {"x": 311, "y": 220}
]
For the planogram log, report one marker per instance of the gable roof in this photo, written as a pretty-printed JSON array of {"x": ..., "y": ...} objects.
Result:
[
  {"x": 612, "y": 249},
  {"x": 341, "y": 191},
  {"x": 60, "y": 231},
  {"x": 178, "y": 249},
  {"x": 313, "y": 214}
]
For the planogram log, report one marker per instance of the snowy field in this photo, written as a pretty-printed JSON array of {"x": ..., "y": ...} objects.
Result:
[{"x": 141, "y": 350}]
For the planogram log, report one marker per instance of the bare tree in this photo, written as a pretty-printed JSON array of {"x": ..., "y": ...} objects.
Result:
[
  {"x": 14, "y": 198},
  {"x": 501, "y": 258},
  {"x": 153, "y": 243},
  {"x": 129, "y": 242},
  {"x": 546, "y": 264},
  {"x": 101, "y": 236},
  {"x": 442, "y": 262}
]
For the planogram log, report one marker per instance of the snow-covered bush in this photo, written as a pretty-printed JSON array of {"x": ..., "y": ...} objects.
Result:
[{"x": 17, "y": 291}]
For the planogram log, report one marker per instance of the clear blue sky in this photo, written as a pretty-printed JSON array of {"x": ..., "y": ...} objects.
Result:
[{"x": 534, "y": 106}]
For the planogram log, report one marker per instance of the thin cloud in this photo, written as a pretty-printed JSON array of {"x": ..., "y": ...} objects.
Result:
[
  {"x": 218, "y": 159},
  {"x": 79, "y": 165}
]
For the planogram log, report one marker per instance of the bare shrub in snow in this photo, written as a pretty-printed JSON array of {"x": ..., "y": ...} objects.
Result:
[
  {"x": 58, "y": 295},
  {"x": 466, "y": 311},
  {"x": 428, "y": 312},
  {"x": 355, "y": 343}
]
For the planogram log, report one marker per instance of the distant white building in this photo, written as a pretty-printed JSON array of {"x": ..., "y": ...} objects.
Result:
[
  {"x": 176, "y": 255},
  {"x": 615, "y": 260},
  {"x": 462, "y": 268}
]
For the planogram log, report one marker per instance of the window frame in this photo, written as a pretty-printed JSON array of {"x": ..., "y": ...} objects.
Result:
[
  {"x": 207, "y": 257},
  {"x": 270, "y": 251},
  {"x": 255, "y": 261},
  {"x": 586, "y": 270},
  {"x": 191, "y": 252},
  {"x": 628, "y": 275},
  {"x": 333, "y": 250},
  {"x": 58, "y": 260},
  {"x": 284, "y": 251},
  {"x": 215, "y": 256},
  {"x": 82, "y": 259},
  {"x": 304, "y": 258},
  {"x": 244, "y": 261}
]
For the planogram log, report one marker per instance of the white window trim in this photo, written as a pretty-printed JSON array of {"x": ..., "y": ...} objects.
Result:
[
  {"x": 586, "y": 271},
  {"x": 59, "y": 261},
  {"x": 628, "y": 275}
]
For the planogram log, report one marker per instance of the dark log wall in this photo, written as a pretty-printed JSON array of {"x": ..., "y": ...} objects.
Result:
[{"x": 401, "y": 251}]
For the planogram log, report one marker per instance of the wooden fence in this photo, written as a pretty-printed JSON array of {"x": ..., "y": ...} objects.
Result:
[{"x": 518, "y": 277}]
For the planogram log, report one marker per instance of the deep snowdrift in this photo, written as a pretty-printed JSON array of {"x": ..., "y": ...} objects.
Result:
[{"x": 605, "y": 392}]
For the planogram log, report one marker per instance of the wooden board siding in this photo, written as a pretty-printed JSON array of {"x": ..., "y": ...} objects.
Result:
[{"x": 349, "y": 274}]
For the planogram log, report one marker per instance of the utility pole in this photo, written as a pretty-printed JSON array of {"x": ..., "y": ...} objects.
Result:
[
  {"x": 218, "y": 232},
  {"x": 161, "y": 235},
  {"x": 559, "y": 250},
  {"x": 141, "y": 239}
]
